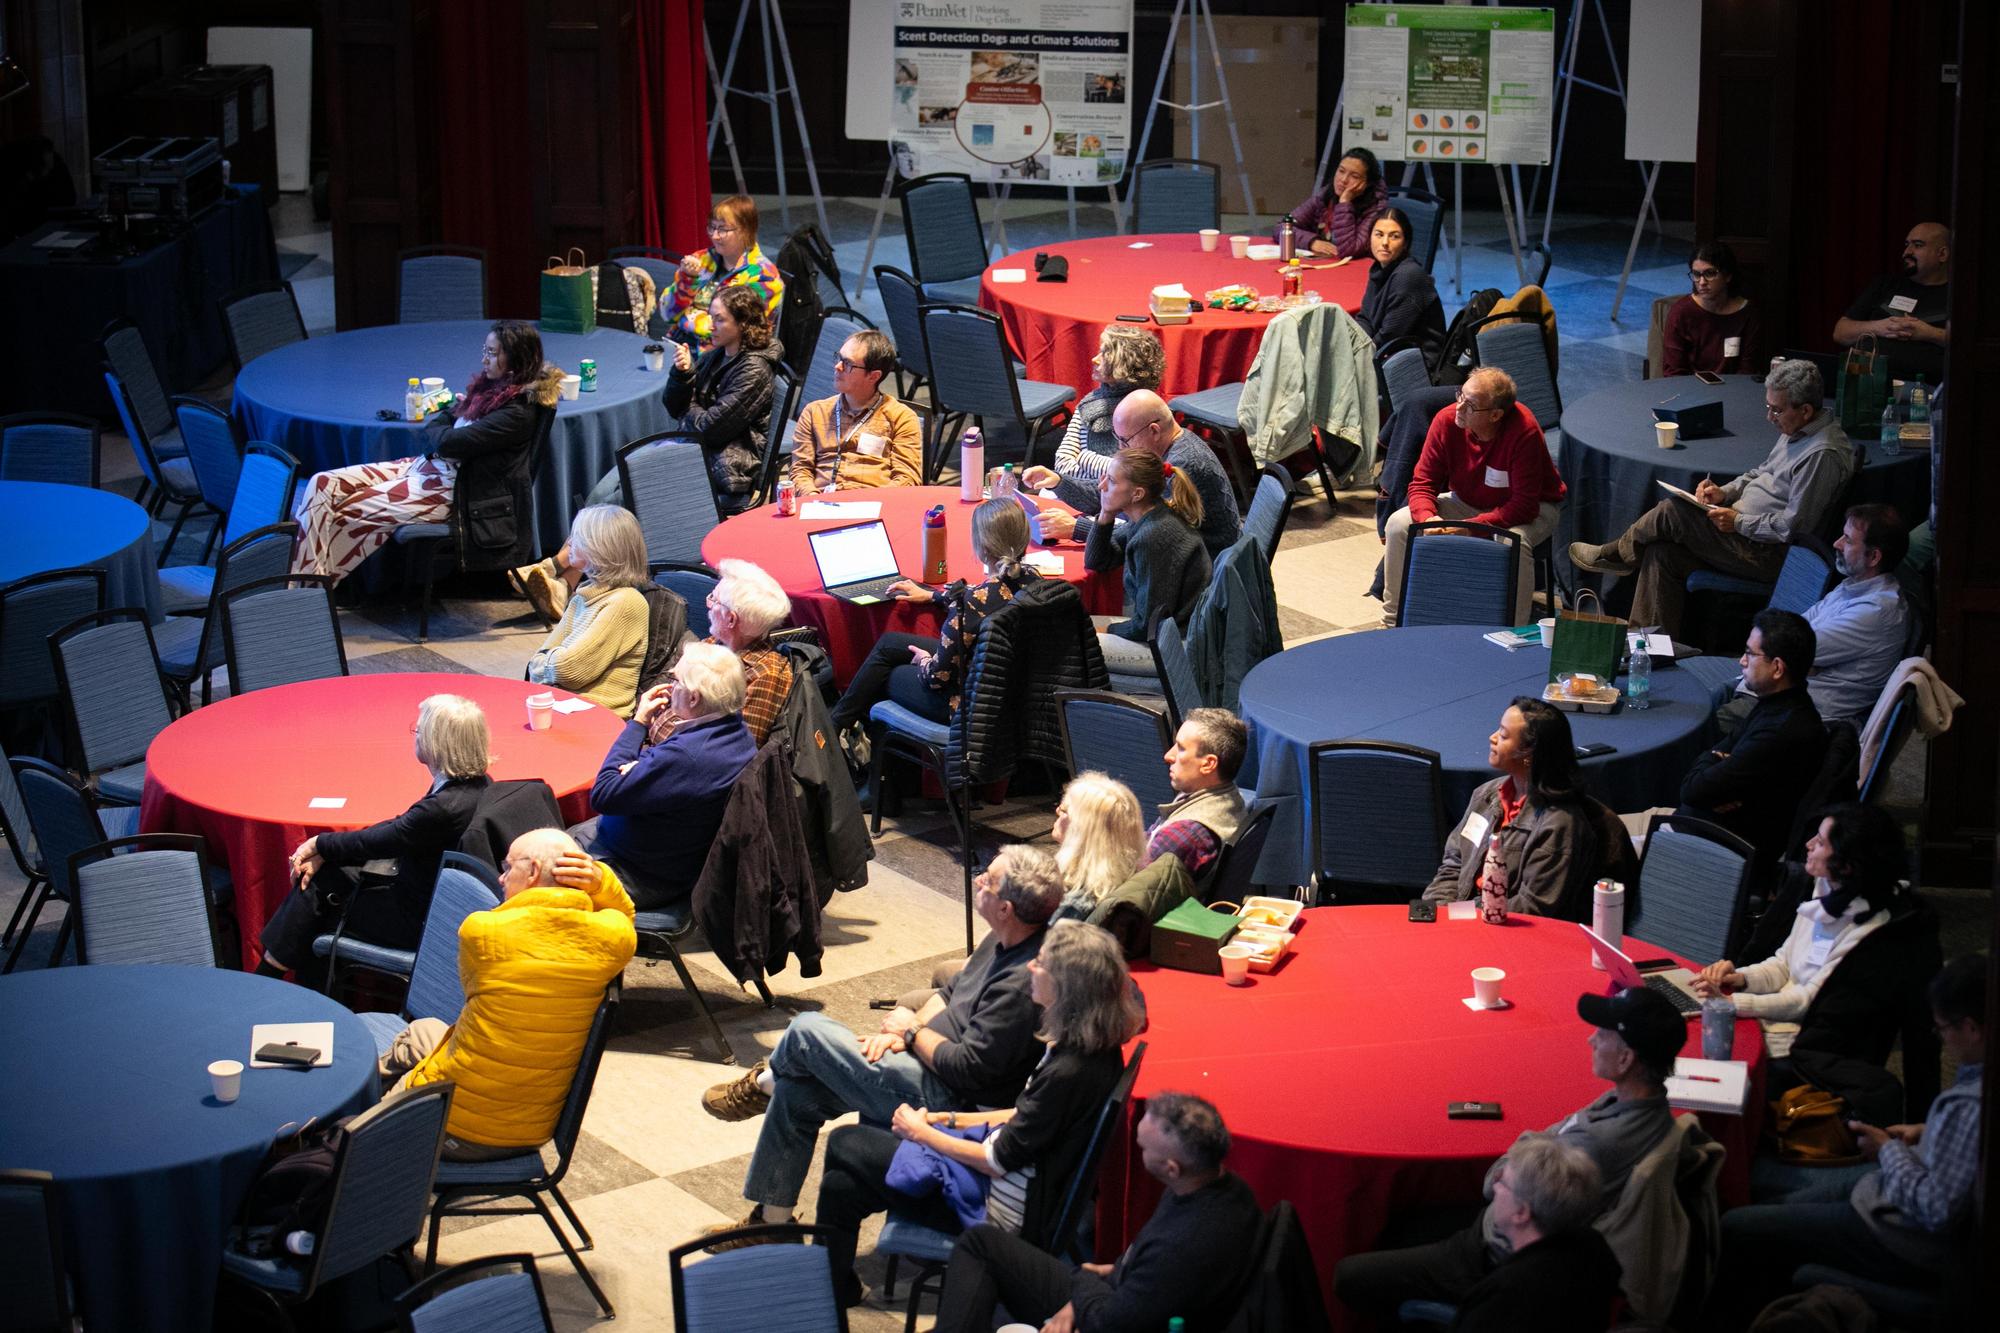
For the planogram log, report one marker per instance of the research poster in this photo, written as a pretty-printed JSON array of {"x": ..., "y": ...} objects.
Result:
[
  {"x": 1004, "y": 90},
  {"x": 1456, "y": 83}
]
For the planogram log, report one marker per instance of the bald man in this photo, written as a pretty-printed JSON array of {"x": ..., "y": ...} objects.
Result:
[
  {"x": 1908, "y": 312},
  {"x": 1141, "y": 421}
]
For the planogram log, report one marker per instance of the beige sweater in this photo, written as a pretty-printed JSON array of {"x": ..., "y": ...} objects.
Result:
[{"x": 599, "y": 645}]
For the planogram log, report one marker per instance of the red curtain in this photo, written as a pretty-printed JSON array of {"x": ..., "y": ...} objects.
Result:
[{"x": 672, "y": 106}]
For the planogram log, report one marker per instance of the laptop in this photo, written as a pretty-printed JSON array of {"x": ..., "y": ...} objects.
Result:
[
  {"x": 1670, "y": 982},
  {"x": 855, "y": 561}
]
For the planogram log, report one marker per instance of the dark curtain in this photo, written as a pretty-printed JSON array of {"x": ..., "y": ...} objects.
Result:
[
  {"x": 484, "y": 154},
  {"x": 672, "y": 106}
]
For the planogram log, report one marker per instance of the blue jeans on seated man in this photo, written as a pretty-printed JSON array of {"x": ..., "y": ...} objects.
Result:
[
  {"x": 1764, "y": 1243},
  {"x": 819, "y": 1074}
]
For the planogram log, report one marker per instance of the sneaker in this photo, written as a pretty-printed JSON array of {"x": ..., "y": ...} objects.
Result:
[
  {"x": 739, "y": 1099},
  {"x": 1599, "y": 559},
  {"x": 539, "y": 589},
  {"x": 755, "y": 1218},
  {"x": 855, "y": 744}
]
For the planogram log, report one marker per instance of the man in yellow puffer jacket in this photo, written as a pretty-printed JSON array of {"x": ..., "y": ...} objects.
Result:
[{"x": 534, "y": 970}]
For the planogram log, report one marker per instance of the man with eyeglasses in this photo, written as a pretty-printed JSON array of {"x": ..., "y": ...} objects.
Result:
[
  {"x": 1484, "y": 460},
  {"x": 861, "y": 437},
  {"x": 1908, "y": 311},
  {"x": 1142, "y": 420},
  {"x": 1740, "y": 528}
]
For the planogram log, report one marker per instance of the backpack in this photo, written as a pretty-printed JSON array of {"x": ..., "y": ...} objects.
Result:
[
  {"x": 293, "y": 1190},
  {"x": 804, "y": 259},
  {"x": 1458, "y": 359},
  {"x": 625, "y": 297},
  {"x": 666, "y": 626}
]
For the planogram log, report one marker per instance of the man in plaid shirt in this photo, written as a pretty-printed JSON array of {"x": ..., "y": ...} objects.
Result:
[
  {"x": 746, "y": 605},
  {"x": 1207, "y": 808}
]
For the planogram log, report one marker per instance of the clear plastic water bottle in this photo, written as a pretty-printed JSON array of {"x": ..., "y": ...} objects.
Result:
[
  {"x": 1920, "y": 402},
  {"x": 1892, "y": 425},
  {"x": 1639, "y": 676}
]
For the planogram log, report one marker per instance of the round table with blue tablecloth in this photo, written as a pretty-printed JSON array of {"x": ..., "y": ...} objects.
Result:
[
  {"x": 51, "y": 526},
  {"x": 108, "y": 1091},
  {"x": 1444, "y": 688},
  {"x": 318, "y": 399}
]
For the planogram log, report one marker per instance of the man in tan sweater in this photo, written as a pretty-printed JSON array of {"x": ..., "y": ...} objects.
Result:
[{"x": 861, "y": 437}]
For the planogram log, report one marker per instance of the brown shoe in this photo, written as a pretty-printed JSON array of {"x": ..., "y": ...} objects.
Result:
[
  {"x": 1600, "y": 559},
  {"x": 540, "y": 589},
  {"x": 739, "y": 1099},
  {"x": 755, "y": 1218}
]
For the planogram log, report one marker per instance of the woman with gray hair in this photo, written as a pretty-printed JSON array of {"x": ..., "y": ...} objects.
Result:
[
  {"x": 1127, "y": 359},
  {"x": 1020, "y": 1157},
  {"x": 599, "y": 645},
  {"x": 450, "y": 740}
]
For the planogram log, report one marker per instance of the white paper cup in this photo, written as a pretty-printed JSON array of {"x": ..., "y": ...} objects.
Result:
[
  {"x": 1210, "y": 237},
  {"x": 656, "y": 360},
  {"x": 1239, "y": 246},
  {"x": 1486, "y": 985},
  {"x": 1235, "y": 963},
  {"x": 571, "y": 386},
  {"x": 1019, "y": 1328},
  {"x": 541, "y": 710},
  {"x": 225, "y": 1078},
  {"x": 1668, "y": 433},
  {"x": 433, "y": 387},
  {"x": 1548, "y": 628}
]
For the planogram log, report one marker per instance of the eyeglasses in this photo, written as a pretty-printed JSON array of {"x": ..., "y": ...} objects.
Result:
[
  {"x": 1124, "y": 441},
  {"x": 1748, "y": 653},
  {"x": 1704, "y": 274},
  {"x": 1471, "y": 406},
  {"x": 720, "y": 228},
  {"x": 1775, "y": 412}
]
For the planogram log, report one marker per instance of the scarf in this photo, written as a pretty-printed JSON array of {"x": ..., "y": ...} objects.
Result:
[{"x": 483, "y": 395}]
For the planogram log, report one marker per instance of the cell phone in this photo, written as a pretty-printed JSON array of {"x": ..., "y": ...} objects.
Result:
[
  {"x": 1594, "y": 749},
  {"x": 288, "y": 1053},
  {"x": 1708, "y": 377},
  {"x": 1423, "y": 911},
  {"x": 1132, "y": 319},
  {"x": 1472, "y": 1110},
  {"x": 1653, "y": 964}
]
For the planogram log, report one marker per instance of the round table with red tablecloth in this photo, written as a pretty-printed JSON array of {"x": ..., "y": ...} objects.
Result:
[
  {"x": 1333, "y": 1073},
  {"x": 244, "y": 773},
  {"x": 848, "y": 631},
  {"x": 1054, "y": 326}
]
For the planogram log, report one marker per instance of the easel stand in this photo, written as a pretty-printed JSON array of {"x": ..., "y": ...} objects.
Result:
[
  {"x": 776, "y": 47},
  {"x": 1200, "y": 17}
]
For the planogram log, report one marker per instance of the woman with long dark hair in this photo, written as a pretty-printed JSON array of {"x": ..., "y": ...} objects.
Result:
[
  {"x": 1532, "y": 836},
  {"x": 1400, "y": 301},
  {"x": 1344, "y": 212},
  {"x": 1713, "y": 328}
]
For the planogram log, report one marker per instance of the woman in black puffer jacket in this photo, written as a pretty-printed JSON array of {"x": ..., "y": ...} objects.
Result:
[{"x": 724, "y": 399}]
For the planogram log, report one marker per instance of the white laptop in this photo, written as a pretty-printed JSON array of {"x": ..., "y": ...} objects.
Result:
[
  {"x": 1674, "y": 983},
  {"x": 856, "y": 563}
]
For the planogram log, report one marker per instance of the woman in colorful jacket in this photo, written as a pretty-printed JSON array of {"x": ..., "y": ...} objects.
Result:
[{"x": 731, "y": 259}]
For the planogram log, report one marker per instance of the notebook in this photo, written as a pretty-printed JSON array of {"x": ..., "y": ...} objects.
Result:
[{"x": 856, "y": 563}]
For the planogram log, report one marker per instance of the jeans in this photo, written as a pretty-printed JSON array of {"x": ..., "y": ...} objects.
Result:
[
  {"x": 1764, "y": 1243},
  {"x": 887, "y": 673},
  {"x": 820, "y": 1074}
]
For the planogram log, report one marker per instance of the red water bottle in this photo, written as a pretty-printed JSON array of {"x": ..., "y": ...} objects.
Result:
[{"x": 934, "y": 559}]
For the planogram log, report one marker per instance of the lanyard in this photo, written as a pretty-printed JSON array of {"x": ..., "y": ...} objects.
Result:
[{"x": 842, "y": 437}]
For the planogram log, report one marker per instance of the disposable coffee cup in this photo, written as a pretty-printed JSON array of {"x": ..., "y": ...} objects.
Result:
[
  {"x": 656, "y": 358},
  {"x": 1486, "y": 985},
  {"x": 1235, "y": 963},
  {"x": 1239, "y": 246},
  {"x": 1209, "y": 238},
  {"x": 1019, "y": 1328},
  {"x": 1547, "y": 625},
  {"x": 571, "y": 386},
  {"x": 225, "y": 1078},
  {"x": 1668, "y": 433},
  {"x": 433, "y": 390},
  {"x": 541, "y": 710}
]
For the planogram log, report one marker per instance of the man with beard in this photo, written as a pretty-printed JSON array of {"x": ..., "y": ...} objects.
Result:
[{"x": 1908, "y": 311}]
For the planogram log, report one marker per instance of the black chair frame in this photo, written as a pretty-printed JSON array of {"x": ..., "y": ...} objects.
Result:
[
  {"x": 1212, "y": 170},
  {"x": 1739, "y": 924},
  {"x": 32, "y": 581},
  {"x": 73, "y": 735},
  {"x": 153, "y": 498},
  {"x": 145, "y": 842},
  {"x": 908, "y": 378},
  {"x": 945, "y": 422},
  {"x": 1251, "y": 835},
  {"x": 785, "y": 390},
  {"x": 1902, "y": 721},
  {"x": 904, "y": 187},
  {"x": 1505, "y": 536},
  {"x": 211, "y": 628},
  {"x": 1124, "y": 701},
  {"x": 1431, "y": 760},
  {"x": 42, "y": 1183}
]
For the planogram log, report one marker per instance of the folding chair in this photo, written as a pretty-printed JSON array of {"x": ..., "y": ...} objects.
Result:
[
  {"x": 1176, "y": 194},
  {"x": 1459, "y": 573},
  {"x": 502, "y": 1294},
  {"x": 1694, "y": 886},
  {"x": 115, "y": 698},
  {"x": 947, "y": 242},
  {"x": 50, "y": 818},
  {"x": 279, "y": 631},
  {"x": 1378, "y": 819}
]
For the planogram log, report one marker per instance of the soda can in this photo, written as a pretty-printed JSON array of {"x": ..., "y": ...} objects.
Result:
[
  {"x": 1718, "y": 1028},
  {"x": 788, "y": 499},
  {"x": 587, "y": 372}
]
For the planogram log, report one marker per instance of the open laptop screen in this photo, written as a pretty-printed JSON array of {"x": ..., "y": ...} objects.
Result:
[{"x": 853, "y": 553}]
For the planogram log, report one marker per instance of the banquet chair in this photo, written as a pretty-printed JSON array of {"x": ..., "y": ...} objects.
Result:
[
  {"x": 263, "y": 496},
  {"x": 1721, "y": 605},
  {"x": 190, "y": 647},
  {"x": 1456, "y": 572},
  {"x": 498, "y": 1294},
  {"x": 59, "y": 819},
  {"x": 465, "y": 885},
  {"x": 261, "y": 319},
  {"x": 1693, "y": 889},
  {"x": 1177, "y": 678},
  {"x": 663, "y": 266},
  {"x": 440, "y": 282},
  {"x": 931, "y": 1249},
  {"x": 162, "y": 481},
  {"x": 216, "y": 446},
  {"x": 972, "y": 375},
  {"x": 1119, "y": 737},
  {"x": 31, "y": 1236},
  {"x": 947, "y": 241},
  {"x": 1234, "y": 876},
  {"x": 1378, "y": 819},
  {"x": 380, "y": 1187},
  {"x": 783, "y": 1281},
  {"x": 1403, "y": 373},
  {"x": 694, "y": 581},
  {"x": 460, "y": 1185},
  {"x": 1902, "y": 720},
  {"x": 1175, "y": 194},
  {"x": 143, "y": 899},
  {"x": 1918, "y": 1305},
  {"x": 1426, "y": 212},
  {"x": 664, "y": 481},
  {"x": 30, "y": 610},
  {"x": 123, "y": 349},
  {"x": 777, "y": 432},
  {"x": 20, "y": 835},
  {"x": 900, "y": 300},
  {"x": 114, "y": 697},
  {"x": 836, "y": 325},
  {"x": 50, "y": 447},
  {"x": 1520, "y": 349},
  {"x": 279, "y": 631},
  {"x": 1270, "y": 509}
]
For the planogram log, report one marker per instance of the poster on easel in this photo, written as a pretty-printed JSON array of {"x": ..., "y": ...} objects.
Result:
[
  {"x": 1013, "y": 90},
  {"x": 1447, "y": 84}
]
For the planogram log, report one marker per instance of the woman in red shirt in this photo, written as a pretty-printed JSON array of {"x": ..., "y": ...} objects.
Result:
[{"x": 1714, "y": 329}]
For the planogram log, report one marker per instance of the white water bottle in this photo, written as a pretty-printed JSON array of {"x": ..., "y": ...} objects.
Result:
[
  {"x": 971, "y": 465},
  {"x": 1607, "y": 916},
  {"x": 299, "y": 1243}
]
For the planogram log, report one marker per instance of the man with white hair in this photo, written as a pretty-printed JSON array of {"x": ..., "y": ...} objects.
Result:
[
  {"x": 745, "y": 606},
  {"x": 658, "y": 806},
  {"x": 1741, "y": 528}
]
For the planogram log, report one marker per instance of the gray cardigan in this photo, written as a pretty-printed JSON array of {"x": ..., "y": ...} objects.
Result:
[
  {"x": 1166, "y": 566},
  {"x": 1540, "y": 849}
]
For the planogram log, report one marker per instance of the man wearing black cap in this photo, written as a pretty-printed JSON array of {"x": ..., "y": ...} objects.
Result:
[{"x": 1634, "y": 1037}]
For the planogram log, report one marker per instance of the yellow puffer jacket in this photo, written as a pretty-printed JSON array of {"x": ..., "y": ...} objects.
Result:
[{"x": 534, "y": 969}]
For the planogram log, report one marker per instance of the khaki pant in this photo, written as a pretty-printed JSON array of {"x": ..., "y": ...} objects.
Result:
[
  {"x": 1672, "y": 540},
  {"x": 410, "y": 1048},
  {"x": 1397, "y": 537}
]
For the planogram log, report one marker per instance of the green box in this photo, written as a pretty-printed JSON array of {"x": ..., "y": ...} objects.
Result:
[{"x": 1187, "y": 938}]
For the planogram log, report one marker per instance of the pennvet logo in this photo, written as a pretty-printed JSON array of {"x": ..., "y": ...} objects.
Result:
[{"x": 916, "y": 9}]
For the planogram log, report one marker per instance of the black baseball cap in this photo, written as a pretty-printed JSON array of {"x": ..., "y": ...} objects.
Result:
[{"x": 1647, "y": 1021}]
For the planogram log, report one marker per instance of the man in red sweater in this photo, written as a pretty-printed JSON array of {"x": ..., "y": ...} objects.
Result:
[{"x": 1484, "y": 461}]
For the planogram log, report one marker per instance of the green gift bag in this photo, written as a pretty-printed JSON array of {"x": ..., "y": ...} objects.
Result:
[
  {"x": 1864, "y": 389},
  {"x": 569, "y": 295},
  {"x": 1586, "y": 641}
]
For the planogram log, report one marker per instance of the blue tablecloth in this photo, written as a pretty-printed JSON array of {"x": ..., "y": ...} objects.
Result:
[
  {"x": 1611, "y": 458},
  {"x": 107, "y": 1090},
  {"x": 1443, "y": 688},
  {"x": 48, "y": 526},
  {"x": 173, "y": 292},
  {"x": 318, "y": 400}
]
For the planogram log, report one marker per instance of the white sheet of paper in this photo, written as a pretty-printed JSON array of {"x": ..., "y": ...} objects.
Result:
[
  {"x": 847, "y": 509},
  {"x": 1474, "y": 827},
  {"x": 573, "y": 705},
  {"x": 65, "y": 240},
  {"x": 1009, "y": 275},
  {"x": 1657, "y": 645},
  {"x": 326, "y": 803},
  {"x": 1465, "y": 911},
  {"x": 1140, "y": 245},
  {"x": 1048, "y": 493},
  {"x": 1672, "y": 489},
  {"x": 319, "y": 1036},
  {"x": 1044, "y": 562}
]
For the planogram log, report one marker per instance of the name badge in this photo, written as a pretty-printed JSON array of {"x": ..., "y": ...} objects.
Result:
[
  {"x": 1816, "y": 955},
  {"x": 1474, "y": 827},
  {"x": 1732, "y": 347},
  {"x": 1902, "y": 305},
  {"x": 870, "y": 446},
  {"x": 1496, "y": 479}
]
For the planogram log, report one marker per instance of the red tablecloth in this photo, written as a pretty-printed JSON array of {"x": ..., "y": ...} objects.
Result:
[
  {"x": 849, "y": 631},
  {"x": 242, "y": 773},
  {"x": 1333, "y": 1073},
  {"x": 1054, "y": 326}
]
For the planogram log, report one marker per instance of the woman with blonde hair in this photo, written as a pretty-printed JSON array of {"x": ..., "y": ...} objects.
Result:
[
  {"x": 1127, "y": 359},
  {"x": 599, "y": 645},
  {"x": 1100, "y": 835},
  {"x": 1159, "y": 544}
]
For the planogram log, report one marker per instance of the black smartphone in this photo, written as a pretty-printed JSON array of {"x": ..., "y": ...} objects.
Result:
[
  {"x": 1132, "y": 319},
  {"x": 1594, "y": 749},
  {"x": 1653, "y": 964},
  {"x": 1423, "y": 911},
  {"x": 288, "y": 1053},
  {"x": 1708, "y": 377},
  {"x": 1472, "y": 1110}
]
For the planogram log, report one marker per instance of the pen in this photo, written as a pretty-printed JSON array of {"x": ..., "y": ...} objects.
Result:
[{"x": 1701, "y": 1078}]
